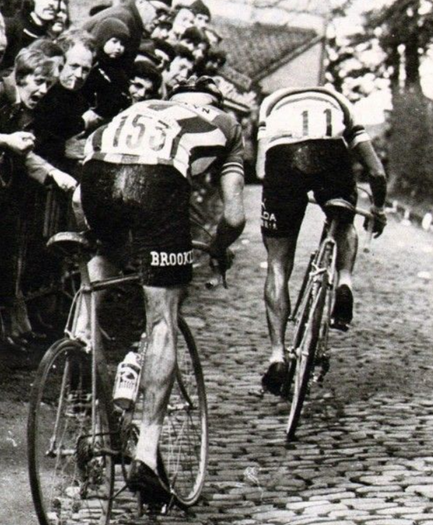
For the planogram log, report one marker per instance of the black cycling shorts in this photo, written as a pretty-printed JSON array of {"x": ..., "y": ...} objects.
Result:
[
  {"x": 142, "y": 212},
  {"x": 291, "y": 171}
]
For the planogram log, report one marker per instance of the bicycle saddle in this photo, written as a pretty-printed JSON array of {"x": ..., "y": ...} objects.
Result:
[
  {"x": 69, "y": 244},
  {"x": 339, "y": 208}
]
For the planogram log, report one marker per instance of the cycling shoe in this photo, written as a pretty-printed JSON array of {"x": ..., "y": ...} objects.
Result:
[
  {"x": 342, "y": 313},
  {"x": 275, "y": 377},
  {"x": 142, "y": 478}
]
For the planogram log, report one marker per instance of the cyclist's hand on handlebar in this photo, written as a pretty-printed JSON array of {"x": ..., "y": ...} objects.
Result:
[{"x": 379, "y": 221}]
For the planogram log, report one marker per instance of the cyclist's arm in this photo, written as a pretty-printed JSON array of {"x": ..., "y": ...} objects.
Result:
[
  {"x": 375, "y": 170},
  {"x": 232, "y": 221}
]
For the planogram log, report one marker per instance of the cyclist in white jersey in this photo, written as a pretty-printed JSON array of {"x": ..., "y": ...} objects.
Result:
[
  {"x": 136, "y": 184},
  {"x": 305, "y": 141}
]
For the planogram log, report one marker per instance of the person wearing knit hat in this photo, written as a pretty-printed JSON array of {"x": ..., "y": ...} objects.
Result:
[
  {"x": 145, "y": 82},
  {"x": 165, "y": 52},
  {"x": 107, "y": 86},
  {"x": 112, "y": 36},
  {"x": 146, "y": 53},
  {"x": 202, "y": 14}
]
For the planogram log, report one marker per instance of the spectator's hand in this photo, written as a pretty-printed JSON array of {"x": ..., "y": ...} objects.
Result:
[
  {"x": 64, "y": 181},
  {"x": 92, "y": 119},
  {"x": 379, "y": 221},
  {"x": 21, "y": 142}
]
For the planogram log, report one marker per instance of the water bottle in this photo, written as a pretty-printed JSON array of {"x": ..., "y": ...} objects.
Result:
[{"x": 127, "y": 381}]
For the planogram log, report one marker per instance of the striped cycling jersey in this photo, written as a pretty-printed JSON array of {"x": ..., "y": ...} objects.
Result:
[
  {"x": 295, "y": 115},
  {"x": 192, "y": 139}
]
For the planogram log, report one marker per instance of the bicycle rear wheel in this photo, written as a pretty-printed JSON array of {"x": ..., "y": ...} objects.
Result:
[
  {"x": 307, "y": 333},
  {"x": 71, "y": 475}
]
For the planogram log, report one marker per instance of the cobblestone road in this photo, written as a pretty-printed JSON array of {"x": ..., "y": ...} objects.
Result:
[{"x": 365, "y": 448}]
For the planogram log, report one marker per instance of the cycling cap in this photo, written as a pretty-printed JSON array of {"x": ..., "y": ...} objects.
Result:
[{"x": 202, "y": 84}]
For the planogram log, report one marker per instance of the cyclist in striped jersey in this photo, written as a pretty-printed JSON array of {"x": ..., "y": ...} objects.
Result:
[
  {"x": 136, "y": 182},
  {"x": 306, "y": 137}
]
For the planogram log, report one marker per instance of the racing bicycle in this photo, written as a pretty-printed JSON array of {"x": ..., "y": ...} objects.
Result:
[
  {"x": 307, "y": 356},
  {"x": 80, "y": 445}
]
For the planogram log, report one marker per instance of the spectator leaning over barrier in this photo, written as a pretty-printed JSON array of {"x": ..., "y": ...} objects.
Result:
[
  {"x": 180, "y": 68},
  {"x": 65, "y": 111},
  {"x": 20, "y": 93},
  {"x": 30, "y": 23},
  {"x": 106, "y": 88},
  {"x": 136, "y": 15},
  {"x": 145, "y": 82}
]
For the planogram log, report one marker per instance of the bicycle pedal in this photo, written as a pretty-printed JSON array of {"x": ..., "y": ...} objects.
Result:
[{"x": 335, "y": 324}]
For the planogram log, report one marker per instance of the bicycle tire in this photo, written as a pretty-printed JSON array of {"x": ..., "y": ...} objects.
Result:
[
  {"x": 306, "y": 339},
  {"x": 71, "y": 478},
  {"x": 183, "y": 445}
]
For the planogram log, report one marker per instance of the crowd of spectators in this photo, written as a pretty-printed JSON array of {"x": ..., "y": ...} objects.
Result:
[{"x": 58, "y": 82}]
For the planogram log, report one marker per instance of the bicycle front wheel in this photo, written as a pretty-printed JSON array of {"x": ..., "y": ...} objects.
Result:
[
  {"x": 71, "y": 474},
  {"x": 183, "y": 444},
  {"x": 307, "y": 334}
]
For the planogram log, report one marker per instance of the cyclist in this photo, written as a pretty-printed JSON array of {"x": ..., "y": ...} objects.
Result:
[
  {"x": 136, "y": 182},
  {"x": 305, "y": 140}
]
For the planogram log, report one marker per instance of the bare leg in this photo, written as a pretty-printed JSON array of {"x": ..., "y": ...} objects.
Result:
[
  {"x": 347, "y": 242},
  {"x": 162, "y": 307},
  {"x": 281, "y": 253},
  {"x": 99, "y": 268}
]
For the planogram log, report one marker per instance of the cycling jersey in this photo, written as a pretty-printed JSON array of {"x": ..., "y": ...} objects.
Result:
[
  {"x": 192, "y": 139},
  {"x": 304, "y": 140},
  {"x": 136, "y": 182},
  {"x": 294, "y": 115}
]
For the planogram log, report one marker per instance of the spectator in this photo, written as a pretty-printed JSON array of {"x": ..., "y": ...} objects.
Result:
[
  {"x": 165, "y": 52},
  {"x": 202, "y": 14},
  {"x": 196, "y": 41},
  {"x": 107, "y": 86},
  {"x": 182, "y": 20},
  {"x": 65, "y": 111},
  {"x": 145, "y": 82},
  {"x": 161, "y": 29},
  {"x": 180, "y": 68},
  {"x": 62, "y": 21},
  {"x": 30, "y": 23},
  {"x": 215, "y": 59},
  {"x": 136, "y": 15},
  {"x": 51, "y": 50},
  {"x": 146, "y": 53},
  {"x": 20, "y": 93}
]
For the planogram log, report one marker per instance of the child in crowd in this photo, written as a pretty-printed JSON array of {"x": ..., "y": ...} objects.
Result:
[{"x": 108, "y": 83}]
